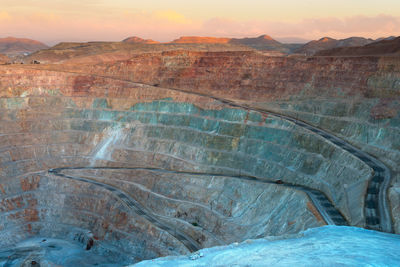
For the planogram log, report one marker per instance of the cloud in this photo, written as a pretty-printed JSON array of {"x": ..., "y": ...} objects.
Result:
[
  {"x": 50, "y": 27},
  {"x": 355, "y": 24},
  {"x": 4, "y": 16},
  {"x": 172, "y": 16},
  {"x": 376, "y": 26}
]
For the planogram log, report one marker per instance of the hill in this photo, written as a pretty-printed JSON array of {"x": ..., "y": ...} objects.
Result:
[
  {"x": 138, "y": 40},
  {"x": 385, "y": 47},
  {"x": 18, "y": 46},
  {"x": 263, "y": 42},
  {"x": 200, "y": 40},
  {"x": 315, "y": 46}
]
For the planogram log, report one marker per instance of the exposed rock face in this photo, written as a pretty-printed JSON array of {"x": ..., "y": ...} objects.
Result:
[
  {"x": 96, "y": 116},
  {"x": 251, "y": 76},
  {"x": 328, "y": 43},
  {"x": 357, "y": 98},
  {"x": 53, "y": 119},
  {"x": 68, "y": 210},
  {"x": 213, "y": 210},
  {"x": 18, "y": 46}
]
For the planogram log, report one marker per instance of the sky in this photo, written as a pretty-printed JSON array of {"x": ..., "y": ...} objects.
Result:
[{"x": 53, "y": 21}]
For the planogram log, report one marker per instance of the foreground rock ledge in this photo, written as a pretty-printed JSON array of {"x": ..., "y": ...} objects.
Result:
[{"x": 325, "y": 246}]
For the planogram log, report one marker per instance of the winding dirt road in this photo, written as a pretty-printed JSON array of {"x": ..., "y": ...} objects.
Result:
[{"x": 328, "y": 212}]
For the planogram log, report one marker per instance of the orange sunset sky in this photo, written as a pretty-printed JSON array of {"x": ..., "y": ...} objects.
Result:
[{"x": 52, "y": 21}]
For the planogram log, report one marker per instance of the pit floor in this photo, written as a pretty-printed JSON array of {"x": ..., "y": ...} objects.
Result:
[{"x": 42, "y": 251}]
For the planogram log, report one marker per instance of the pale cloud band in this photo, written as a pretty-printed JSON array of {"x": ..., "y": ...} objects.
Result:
[{"x": 165, "y": 25}]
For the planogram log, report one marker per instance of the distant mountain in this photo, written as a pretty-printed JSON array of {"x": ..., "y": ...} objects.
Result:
[
  {"x": 200, "y": 40},
  {"x": 354, "y": 41},
  {"x": 388, "y": 46},
  {"x": 263, "y": 42},
  {"x": 292, "y": 40},
  {"x": 138, "y": 40},
  {"x": 385, "y": 38},
  {"x": 325, "y": 43},
  {"x": 18, "y": 46}
]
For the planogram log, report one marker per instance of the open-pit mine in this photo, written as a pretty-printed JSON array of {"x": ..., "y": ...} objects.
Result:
[{"x": 111, "y": 158}]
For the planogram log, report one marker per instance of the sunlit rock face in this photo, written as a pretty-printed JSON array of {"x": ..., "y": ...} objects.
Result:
[{"x": 54, "y": 120}]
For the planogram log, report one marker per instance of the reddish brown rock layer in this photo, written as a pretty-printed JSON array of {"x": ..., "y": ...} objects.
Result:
[{"x": 252, "y": 76}]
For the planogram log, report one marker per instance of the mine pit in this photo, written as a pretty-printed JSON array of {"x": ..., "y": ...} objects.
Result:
[{"x": 98, "y": 170}]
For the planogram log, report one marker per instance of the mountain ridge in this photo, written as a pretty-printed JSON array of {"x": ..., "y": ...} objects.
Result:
[
  {"x": 324, "y": 43},
  {"x": 387, "y": 46}
]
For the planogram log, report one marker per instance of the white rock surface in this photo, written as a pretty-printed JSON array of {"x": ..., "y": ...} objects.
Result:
[{"x": 324, "y": 246}]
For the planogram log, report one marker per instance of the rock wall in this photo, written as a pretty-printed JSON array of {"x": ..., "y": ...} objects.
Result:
[
  {"x": 356, "y": 98},
  {"x": 54, "y": 119},
  {"x": 80, "y": 114},
  {"x": 247, "y": 76}
]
